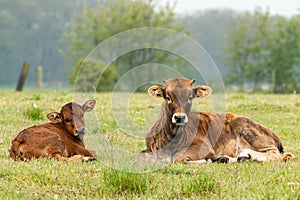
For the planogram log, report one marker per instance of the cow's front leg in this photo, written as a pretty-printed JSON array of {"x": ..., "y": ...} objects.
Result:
[
  {"x": 157, "y": 156},
  {"x": 78, "y": 158},
  {"x": 182, "y": 158},
  {"x": 86, "y": 154},
  {"x": 93, "y": 154},
  {"x": 194, "y": 155},
  {"x": 91, "y": 157},
  {"x": 189, "y": 160}
]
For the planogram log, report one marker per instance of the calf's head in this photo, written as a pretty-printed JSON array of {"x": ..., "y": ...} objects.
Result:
[
  {"x": 178, "y": 94},
  {"x": 72, "y": 116}
]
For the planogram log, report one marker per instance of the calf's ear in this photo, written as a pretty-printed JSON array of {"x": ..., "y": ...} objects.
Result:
[
  {"x": 54, "y": 117},
  {"x": 89, "y": 105},
  {"x": 202, "y": 91},
  {"x": 156, "y": 91}
]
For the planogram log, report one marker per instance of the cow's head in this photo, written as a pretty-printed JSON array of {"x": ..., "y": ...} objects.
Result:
[
  {"x": 72, "y": 115},
  {"x": 178, "y": 94}
]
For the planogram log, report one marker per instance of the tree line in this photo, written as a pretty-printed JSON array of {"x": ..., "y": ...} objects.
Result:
[
  {"x": 251, "y": 50},
  {"x": 31, "y": 32},
  {"x": 263, "y": 49}
]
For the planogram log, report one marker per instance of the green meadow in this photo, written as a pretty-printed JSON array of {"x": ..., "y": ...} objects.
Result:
[{"x": 121, "y": 121}]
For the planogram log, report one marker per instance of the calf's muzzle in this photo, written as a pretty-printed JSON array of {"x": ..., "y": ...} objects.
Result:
[
  {"x": 179, "y": 119},
  {"x": 80, "y": 131}
]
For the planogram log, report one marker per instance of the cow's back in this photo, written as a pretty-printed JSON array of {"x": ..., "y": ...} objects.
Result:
[
  {"x": 38, "y": 141},
  {"x": 228, "y": 132}
]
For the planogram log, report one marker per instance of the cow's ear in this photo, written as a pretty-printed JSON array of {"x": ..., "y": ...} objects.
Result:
[
  {"x": 202, "y": 91},
  {"x": 54, "y": 117},
  {"x": 89, "y": 105},
  {"x": 192, "y": 81},
  {"x": 156, "y": 91}
]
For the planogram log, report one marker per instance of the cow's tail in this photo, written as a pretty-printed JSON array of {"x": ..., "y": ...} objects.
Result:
[
  {"x": 14, "y": 151},
  {"x": 280, "y": 147}
]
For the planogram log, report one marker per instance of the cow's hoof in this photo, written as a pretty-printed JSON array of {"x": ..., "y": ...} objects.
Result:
[
  {"x": 222, "y": 159},
  {"x": 244, "y": 158},
  {"x": 88, "y": 159}
]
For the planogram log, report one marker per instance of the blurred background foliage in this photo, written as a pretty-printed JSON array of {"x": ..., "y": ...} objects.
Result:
[{"x": 253, "y": 50}]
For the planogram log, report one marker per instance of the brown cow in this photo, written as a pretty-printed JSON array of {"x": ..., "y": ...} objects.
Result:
[
  {"x": 180, "y": 135},
  {"x": 62, "y": 138}
]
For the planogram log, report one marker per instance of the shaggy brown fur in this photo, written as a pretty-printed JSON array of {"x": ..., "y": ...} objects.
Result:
[
  {"x": 61, "y": 139},
  {"x": 183, "y": 136}
]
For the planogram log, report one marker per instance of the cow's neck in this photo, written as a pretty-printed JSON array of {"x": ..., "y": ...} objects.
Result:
[
  {"x": 170, "y": 132},
  {"x": 77, "y": 139}
]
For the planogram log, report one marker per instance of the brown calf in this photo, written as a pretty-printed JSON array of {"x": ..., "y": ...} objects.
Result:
[
  {"x": 197, "y": 137},
  {"x": 61, "y": 139}
]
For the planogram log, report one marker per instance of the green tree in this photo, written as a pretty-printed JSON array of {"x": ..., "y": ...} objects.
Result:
[
  {"x": 207, "y": 27},
  {"x": 29, "y": 32},
  {"x": 247, "y": 49},
  {"x": 284, "y": 56},
  {"x": 94, "y": 25}
]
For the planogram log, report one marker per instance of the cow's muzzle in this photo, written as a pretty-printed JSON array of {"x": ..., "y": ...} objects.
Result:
[
  {"x": 180, "y": 119},
  {"x": 80, "y": 131}
]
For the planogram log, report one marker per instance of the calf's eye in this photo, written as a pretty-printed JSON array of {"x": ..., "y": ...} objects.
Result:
[
  {"x": 168, "y": 99},
  {"x": 68, "y": 120}
]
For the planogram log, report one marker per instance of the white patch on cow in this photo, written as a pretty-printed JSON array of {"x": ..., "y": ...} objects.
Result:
[
  {"x": 186, "y": 120},
  {"x": 202, "y": 161},
  {"x": 245, "y": 153}
]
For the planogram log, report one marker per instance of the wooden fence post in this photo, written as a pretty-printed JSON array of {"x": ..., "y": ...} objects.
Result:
[
  {"x": 40, "y": 77},
  {"x": 23, "y": 76},
  {"x": 273, "y": 81}
]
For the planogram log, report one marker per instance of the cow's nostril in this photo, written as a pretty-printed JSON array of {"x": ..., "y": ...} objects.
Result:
[
  {"x": 179, "y": 118},
  {"x": 80, "y": 131}
]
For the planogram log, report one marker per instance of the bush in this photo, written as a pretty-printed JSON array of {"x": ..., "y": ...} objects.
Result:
[{"x": 34, "y": 113}]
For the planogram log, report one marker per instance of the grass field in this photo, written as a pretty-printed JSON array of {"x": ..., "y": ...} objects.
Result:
[{"x": 49, "y": 179}]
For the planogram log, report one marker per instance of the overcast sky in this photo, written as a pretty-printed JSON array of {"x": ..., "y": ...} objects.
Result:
[{"x": 281, "y": 7}]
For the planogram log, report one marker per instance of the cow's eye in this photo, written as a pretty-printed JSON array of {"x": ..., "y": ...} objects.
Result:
[
  {"x": 168, "y": 99},
  {"x": 68, "y": 120},
  {"x": 190, "y": 98}
]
